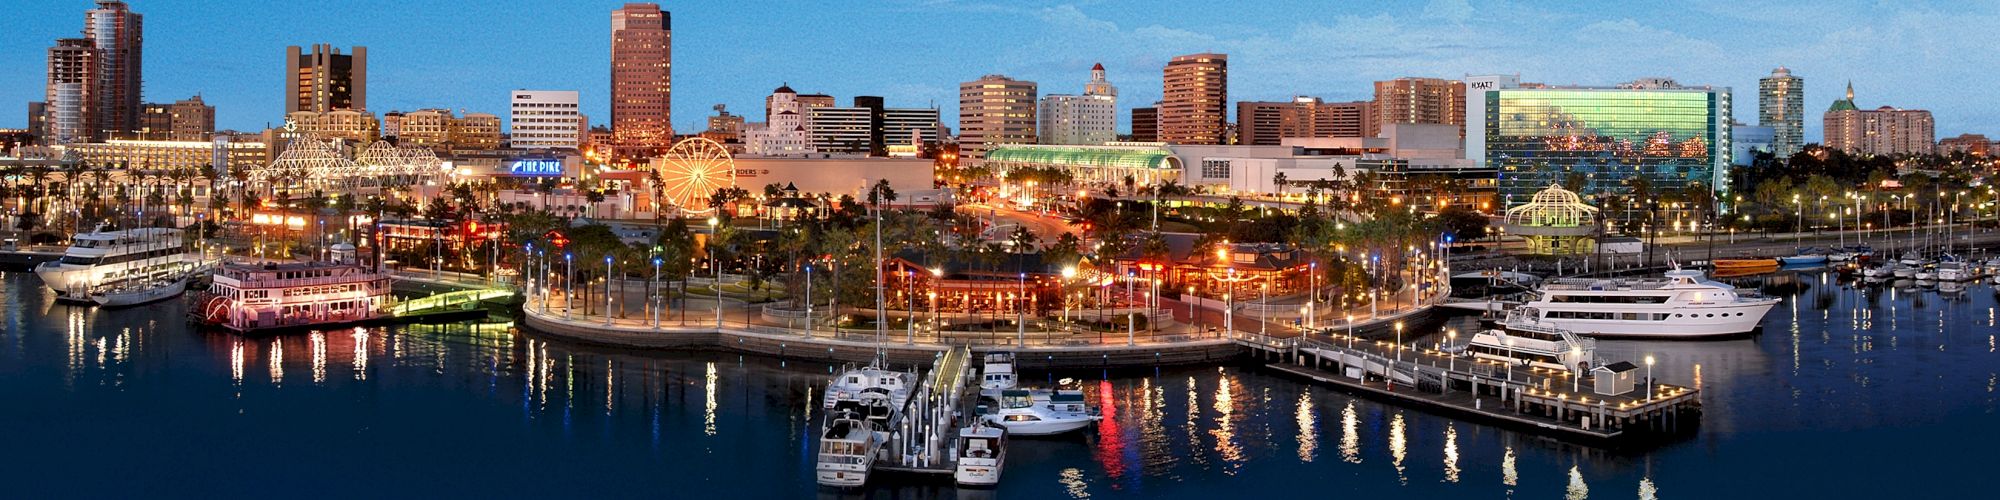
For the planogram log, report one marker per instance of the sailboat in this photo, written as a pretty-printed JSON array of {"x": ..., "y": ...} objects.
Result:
[{"x": 160, "y": 275}]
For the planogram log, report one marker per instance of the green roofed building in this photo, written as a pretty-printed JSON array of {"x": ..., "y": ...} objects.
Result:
[
  {"x": 1599, "y": 140},
  {"x": 1147, "y": 163}
]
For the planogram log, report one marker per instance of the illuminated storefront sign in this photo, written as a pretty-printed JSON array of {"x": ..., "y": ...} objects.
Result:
[{"x": 540, "y": 167}]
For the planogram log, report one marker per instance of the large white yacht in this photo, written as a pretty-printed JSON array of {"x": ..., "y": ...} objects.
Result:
[
  {"x": 1682, "y": 305},
  {"x": 102, "y": 257}
]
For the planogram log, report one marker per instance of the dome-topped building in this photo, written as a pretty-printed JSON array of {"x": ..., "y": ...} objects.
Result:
[{"x": 1554, "y": 221}]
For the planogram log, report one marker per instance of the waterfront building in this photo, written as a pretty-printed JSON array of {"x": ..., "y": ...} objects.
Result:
[
  {"x": 1090, "y": 118},
  {"x": 185, "y": 120},
  {"x": 1195, "y": 99},
  {"x": 1670, "y": 134},
  {"x": 641, "y": 78},
  {"x": 1781, "y": 105},
  {"x": 1420, "y": 100},
  {"x": 358, "y": 126},
  {"x": 325, "y": 80},
  {"x": 544, "y": 119},
  {"x": 994, "y": 111},
  {"x": 1882, "y": 131},
  {"x": 1260, "y": 123},
  {"x": 1973, "y": 144},
  {"x": 1146, "y": 124},
  {"x": 784, "y": 133}
]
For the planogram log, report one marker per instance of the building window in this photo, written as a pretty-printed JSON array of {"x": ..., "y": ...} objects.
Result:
[{"x": 1215, "y": 169}]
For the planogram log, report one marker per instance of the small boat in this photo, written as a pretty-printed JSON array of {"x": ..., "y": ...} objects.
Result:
[
  {"x": 982, "y": 453},
  {"x": 143, "y": 293},
  {"x": 1746, "y": 263},
  {"x": 1804, "y": 259},
  {"x": 1023, "y": 413},
  {"x": 1523, "y": 340},
  {"x": 1877, "y": 272},
  {"x": 1904, "y": 271},
  {"x": 998, "y": 372},
  {"x": 1953, "y": 271},
  {"x": 862, "y": 405},
  {"x": 1911, "y": 259}
]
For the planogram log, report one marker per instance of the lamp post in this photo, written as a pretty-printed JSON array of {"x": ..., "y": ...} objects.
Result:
[
  {"x": 1649, "y": 378},
  {"x": 1350, "y": 331},
  {"x": 910, "y": 314},
  {"x": 569, "y": 283},
  {"x": 656, "y": 292},
  {"x": 809, "y": 301},
  {"x": 1576, "y": 372},
  {"x": 1131, "y": 326},
  {"x": 607, "y": 290},
  {"x": 1229, "y": 314},
  {"x": 717, "y": 265},
  {"x": 1067, "y": 274},
  {"x": 1192, "y": 319},
  {"x": 1312, "y": 277},
  {"x": 1451, "y": 337},
  {"x": 1021, "y": 311},
  {"x": 1510, "y": 358}
]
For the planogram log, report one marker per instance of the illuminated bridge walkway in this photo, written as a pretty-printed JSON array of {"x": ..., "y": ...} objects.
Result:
[{"x": 449, "y": 302}]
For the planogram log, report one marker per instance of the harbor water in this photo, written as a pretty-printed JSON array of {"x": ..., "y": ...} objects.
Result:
[{"x": 1847, "y": 392}]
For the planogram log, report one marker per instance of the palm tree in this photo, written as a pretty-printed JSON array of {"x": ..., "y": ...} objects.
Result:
[{"x": 1279, "y": 181}]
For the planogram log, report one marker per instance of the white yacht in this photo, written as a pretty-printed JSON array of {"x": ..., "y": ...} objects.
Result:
[
  {"x": 1024, "y": 414},
  {"x": 1683, "y": 304},
  {"x": 1522, "y": 341},
  {"x": 862, "y": 405},
  {"x": 1953, "y": 271},
  {"x": 101, "y": 257},
  {"x": 982, "y": 452},
  {"x": 998, "y": 372}
]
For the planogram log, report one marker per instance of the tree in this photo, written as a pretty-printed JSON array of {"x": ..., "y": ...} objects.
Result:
[
  {"x": 1279, "y": 181},
  {"x": 1023, "y": 240},
  {"x": 1462, "y": 223}
]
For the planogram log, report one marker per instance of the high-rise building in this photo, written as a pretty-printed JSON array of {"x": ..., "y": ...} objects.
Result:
[
  {"x": 325, "y": 80},
  {"x": 1088, "y": 119},
  {"x": 642, "y": 76},
  {"x": 1264, "y": 123},
  {"x": 1146, "y": 124},
  {"x": 902, "y": 126},
  {"x": 992, "y": 111},
  {"x": 1195, "y": 99},
  {"x": 117, "y": 34},
  {"x": 725, "y": 128},
  {"x": 1881, "y": 131},
  {"x": 1420, "y": 100},
  {"x": 784, "y": 133},
  {"x": 837, "y": 129},
  {"x": 185, "y": 120},
  {"x": 1781, "y": 105},
  {"x": 71, "y": 110},
  {"x": 542, "y": 119},
  {"x": 1603, "y": 137}
]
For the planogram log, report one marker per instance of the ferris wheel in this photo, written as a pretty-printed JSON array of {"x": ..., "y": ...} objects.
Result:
[{"x": 692, "y": 170}]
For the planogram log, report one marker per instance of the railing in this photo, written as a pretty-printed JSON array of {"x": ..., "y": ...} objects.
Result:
[{"x": 297, "y": 282}]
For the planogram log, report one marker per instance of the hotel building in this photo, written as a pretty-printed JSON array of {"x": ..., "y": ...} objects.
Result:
[
  {"x": 992, "y": 111},
  {"x": 1194, "y": 106},
  {"x": 1672, "y": 135}
]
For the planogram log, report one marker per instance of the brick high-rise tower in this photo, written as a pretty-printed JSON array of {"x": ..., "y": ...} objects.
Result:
[{"x": 641, "y": 76}]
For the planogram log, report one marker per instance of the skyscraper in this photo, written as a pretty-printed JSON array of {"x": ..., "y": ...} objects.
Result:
[
  {"x": 1088, "y": 119},
  {"x": 546, "y": 119},
  {"x": 1420, "y": 100},
  {"x": 1146, "y": 124},
  {"x": 642, "y": 76},
  {"x": 116, "y": 32},
  {"x": 93, "y": 87},
  {"x": 1781, "y": 105},
  {"x": 992, "y": 111},
  {"x": 325, "y": 79},
  {"x": 1881, "y": 131},
  {"x": 1195, "y": 99},
  {"x": 1603, "y": 137}
]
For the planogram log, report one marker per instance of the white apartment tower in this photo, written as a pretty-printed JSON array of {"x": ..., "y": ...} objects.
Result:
[
  {"x": 1088, "y": 119},
  {"x": 544, "y": 119}
]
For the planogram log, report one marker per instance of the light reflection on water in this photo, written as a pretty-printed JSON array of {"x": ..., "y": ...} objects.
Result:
[{"x": 747, "y": 423}]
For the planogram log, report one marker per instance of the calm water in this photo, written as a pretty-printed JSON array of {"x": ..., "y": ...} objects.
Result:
[{"x": 1845, "y": 394}]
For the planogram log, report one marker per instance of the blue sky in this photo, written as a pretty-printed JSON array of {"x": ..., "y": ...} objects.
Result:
[{"x": 1935, "y": 55}]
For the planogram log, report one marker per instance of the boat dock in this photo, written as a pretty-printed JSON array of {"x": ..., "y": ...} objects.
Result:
[
  {"x": 924, "y": 440},
  {"x": 1553, "y": 402}
]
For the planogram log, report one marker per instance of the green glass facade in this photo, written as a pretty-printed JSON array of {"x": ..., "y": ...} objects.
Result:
[{"x": 1674, "y": 138}]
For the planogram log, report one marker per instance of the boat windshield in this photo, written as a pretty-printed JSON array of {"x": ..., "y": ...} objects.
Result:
[{"x": 80, "y": 261}]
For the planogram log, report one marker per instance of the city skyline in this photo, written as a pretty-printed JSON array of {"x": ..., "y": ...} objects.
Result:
[{"x": 731, "y": 58}]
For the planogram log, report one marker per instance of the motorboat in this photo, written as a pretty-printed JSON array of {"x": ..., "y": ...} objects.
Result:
[
  {"x": 106, "y": 255},
  {"x": 1683, "y": 304},
  {"x": 1025, "y": 414},
  {"x": 982, "y": 453},
  {"x": 1878, "y": 272},
  {"x": 1805, "y": 257},
  {"x": 997, "y": 372},
  {"x": 1523, "y": 341},
  {"x": 1926, "y": 273},
  {"x": 1953, "y": 271},
  {"x": 1904, "y": 271},
  {"x": 862, "y": 405}
]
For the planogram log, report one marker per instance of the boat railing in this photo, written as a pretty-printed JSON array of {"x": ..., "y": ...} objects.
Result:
[
  {"x": 254, "y": 282},
  {"x": 1605, "y": 285}
]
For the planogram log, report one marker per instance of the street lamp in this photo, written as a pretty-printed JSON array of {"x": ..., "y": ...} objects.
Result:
[
  {"x": 656, "y": 292},
  {"x": 717, "y": 284},
  {"x": 569, "y": 283},
  {"x": 1576, "y": 372},
  {"x": 1451, "y": 337},
  {"x": 607, "y": 290},
  {"x": 1649, "y": 378},
  {"x": 1350, "y": 331},
  {"x": 1068, "y": 273}
]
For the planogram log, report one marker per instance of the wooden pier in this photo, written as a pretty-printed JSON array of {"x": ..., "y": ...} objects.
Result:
[{"x": 1553, "y": 402}]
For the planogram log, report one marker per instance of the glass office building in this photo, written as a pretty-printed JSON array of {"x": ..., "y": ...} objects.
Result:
[{"x": 1605, "y": 137}]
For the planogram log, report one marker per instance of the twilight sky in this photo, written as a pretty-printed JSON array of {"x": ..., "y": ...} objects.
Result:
[{"x": 1930, "y": 54}]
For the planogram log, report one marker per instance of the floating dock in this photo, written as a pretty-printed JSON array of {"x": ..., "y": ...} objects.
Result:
[
  {"x": 925, "y": 440},
  {"x": 1552, "y": 402}
]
